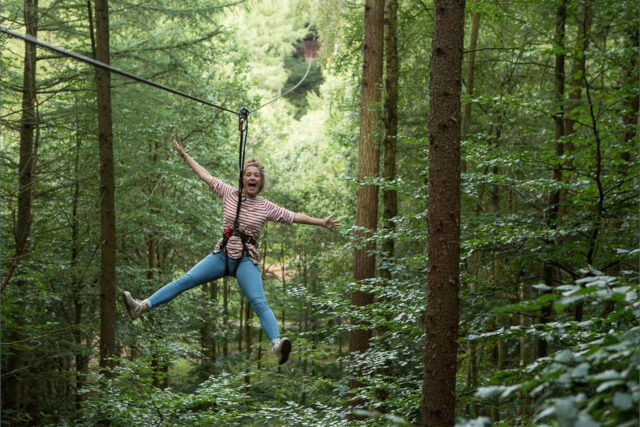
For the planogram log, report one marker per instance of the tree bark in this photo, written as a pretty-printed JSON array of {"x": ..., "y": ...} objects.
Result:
[
  {"x": 81, "y": 358},
  {"x": 471, "y": 63},
  {"x": 248, "y": 336},
  {"x": 243, "y": 301},
  {"x": 472, "y": 367},
  {"x": 107, "y": 191},
  {"x": 630, "y": 118},
  {"x": 284, "y": 285},
  {"x": 548, "y": 271},
  {"x": 368, "y": 164},
  {"x": 578, "y": 68},
  {"x": 390, "y": 196},
  {"x": 28, "y": 123},
  {"x": 443, "y": 218},
  {"x": 14, "y": 386},
  {"x": 225, "y": 316},
  {"x": 522, "y": 345},
  {"x": 262, "y": 272}
]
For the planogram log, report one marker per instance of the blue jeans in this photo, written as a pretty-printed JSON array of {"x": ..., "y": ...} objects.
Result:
[{"x": 212, "y": 268}]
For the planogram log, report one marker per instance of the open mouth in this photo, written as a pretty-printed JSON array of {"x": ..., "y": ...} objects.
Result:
[{"x": 252, "y": 186}]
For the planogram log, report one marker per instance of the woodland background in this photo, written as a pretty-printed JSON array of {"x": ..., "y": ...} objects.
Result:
[{"x": 549, "y": 304}]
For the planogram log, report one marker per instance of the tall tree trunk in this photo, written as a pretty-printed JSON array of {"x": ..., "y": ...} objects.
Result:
[
  {"x": 443, "y": 218},
  {"x": 578, "y": 68},
  {"x": 13, "y": 387},
  {"x": 368, "y": 160},
  {"x": 208, "y": 329},
  {"x": 262, "y": 272},
  {"x": 80, "y": 357},
  {"x": 243, "y": 302},
  {"x": 305, "y": 308},
  {"x": 472, "y": 366},
  {"x": 107, "y": 191},
  {"x": 248, "y": 337},
  {"x": 630, "y": 118},
  {"x": 28, "y": 123},
  {"x": 213, "y": 344},
  {"x": 225, "y": 316},
  {"x": 471, "y": 63},
  {"x": 284, "y": 285},
  {"x": 548, "y": 271},
  {"x": 522, "y": 359},
  {"x": 390, "y": 196}
]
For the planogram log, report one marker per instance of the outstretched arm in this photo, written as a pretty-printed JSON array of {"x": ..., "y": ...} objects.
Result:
[
  {"x": 327, "y": 222},
  {"x": 199, "y": 170}
]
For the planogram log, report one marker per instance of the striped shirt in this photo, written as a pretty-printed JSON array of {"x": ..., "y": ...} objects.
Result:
[{"x": 254, "y": 213}]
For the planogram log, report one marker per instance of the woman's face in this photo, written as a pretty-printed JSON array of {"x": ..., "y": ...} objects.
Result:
[{"x": 252, "y": 181}]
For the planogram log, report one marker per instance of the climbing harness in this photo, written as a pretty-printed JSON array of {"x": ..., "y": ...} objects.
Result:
[{"x": 243, "y": 126}]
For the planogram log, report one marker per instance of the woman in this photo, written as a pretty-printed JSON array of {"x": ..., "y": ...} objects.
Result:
[{"x": 236, "y": 253}]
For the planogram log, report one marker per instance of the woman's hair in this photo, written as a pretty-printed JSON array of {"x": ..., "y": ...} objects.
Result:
[{"x": 254, "y": 161}]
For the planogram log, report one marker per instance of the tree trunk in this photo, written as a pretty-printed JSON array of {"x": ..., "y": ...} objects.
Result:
[
  {"x": 248, "y": 336},
  {"x": 368, "y": 160},
  {"x": 443, "y": 218},
  {"x": 207, "y": 329},
  {"x": 472, "y": 366},
  {"x": 262, "y": 272},
  {"x": 522, "y": 359},
  {"x": 28, "y": 123},
  {"x": 107, "y": 191},
  {"x": 13, "y": 383},
  {"x": 471, "y": 63},
  {"x": 390, "y": 196},
  {"x": 225, "y": 316},
  {"x": 213, "y": 344},
  {"x": 284, "y": 285},
  {"x": 305, "y": 309},
  {"x": 80, "y": 358},
  {"x": 630, "y": 118},
  {"x": 578, "y": 68},
  {"x": 548, "y": 273},
  {"x": 243, "y": 302}
]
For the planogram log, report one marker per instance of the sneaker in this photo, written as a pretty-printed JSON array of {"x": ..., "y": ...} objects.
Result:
[
  {"x": 134, "y": 306},
  {"x": 282, "y": 348}
]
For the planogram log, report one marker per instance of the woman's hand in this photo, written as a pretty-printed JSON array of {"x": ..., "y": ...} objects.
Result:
[
  {"x": 327, "y": 222},
  {"x": 179, "y": 148},
  {"x": 199, "y": 170},
  {"x": 331, "y": 223}
]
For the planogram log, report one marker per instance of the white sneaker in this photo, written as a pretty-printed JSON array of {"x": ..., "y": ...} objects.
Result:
[
  {"x": 134, "y": 306},
  {"x": 282, "y": 348}
]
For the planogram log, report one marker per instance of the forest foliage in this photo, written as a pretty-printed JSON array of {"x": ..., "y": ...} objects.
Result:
[{"x": 550, "y": 296}]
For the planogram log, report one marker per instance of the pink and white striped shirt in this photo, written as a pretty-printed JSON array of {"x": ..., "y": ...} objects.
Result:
[{"x": 254, "y": 213}]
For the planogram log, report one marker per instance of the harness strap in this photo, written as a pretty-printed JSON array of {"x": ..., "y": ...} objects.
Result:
[
  {"x": 244, "y": 238},
  {"x": 243, "y": 126}
]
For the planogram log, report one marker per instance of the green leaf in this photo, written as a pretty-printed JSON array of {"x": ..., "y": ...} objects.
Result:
[
  {"x": 623, "y": 401},
  {"x": 565, "y": 356}
]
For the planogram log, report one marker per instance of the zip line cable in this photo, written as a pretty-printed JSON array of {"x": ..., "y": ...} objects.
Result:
[
  {"x": 107, "y": 67},
  {"x": 287, "y": 92},
  {"x": 243, "y": 113}
]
